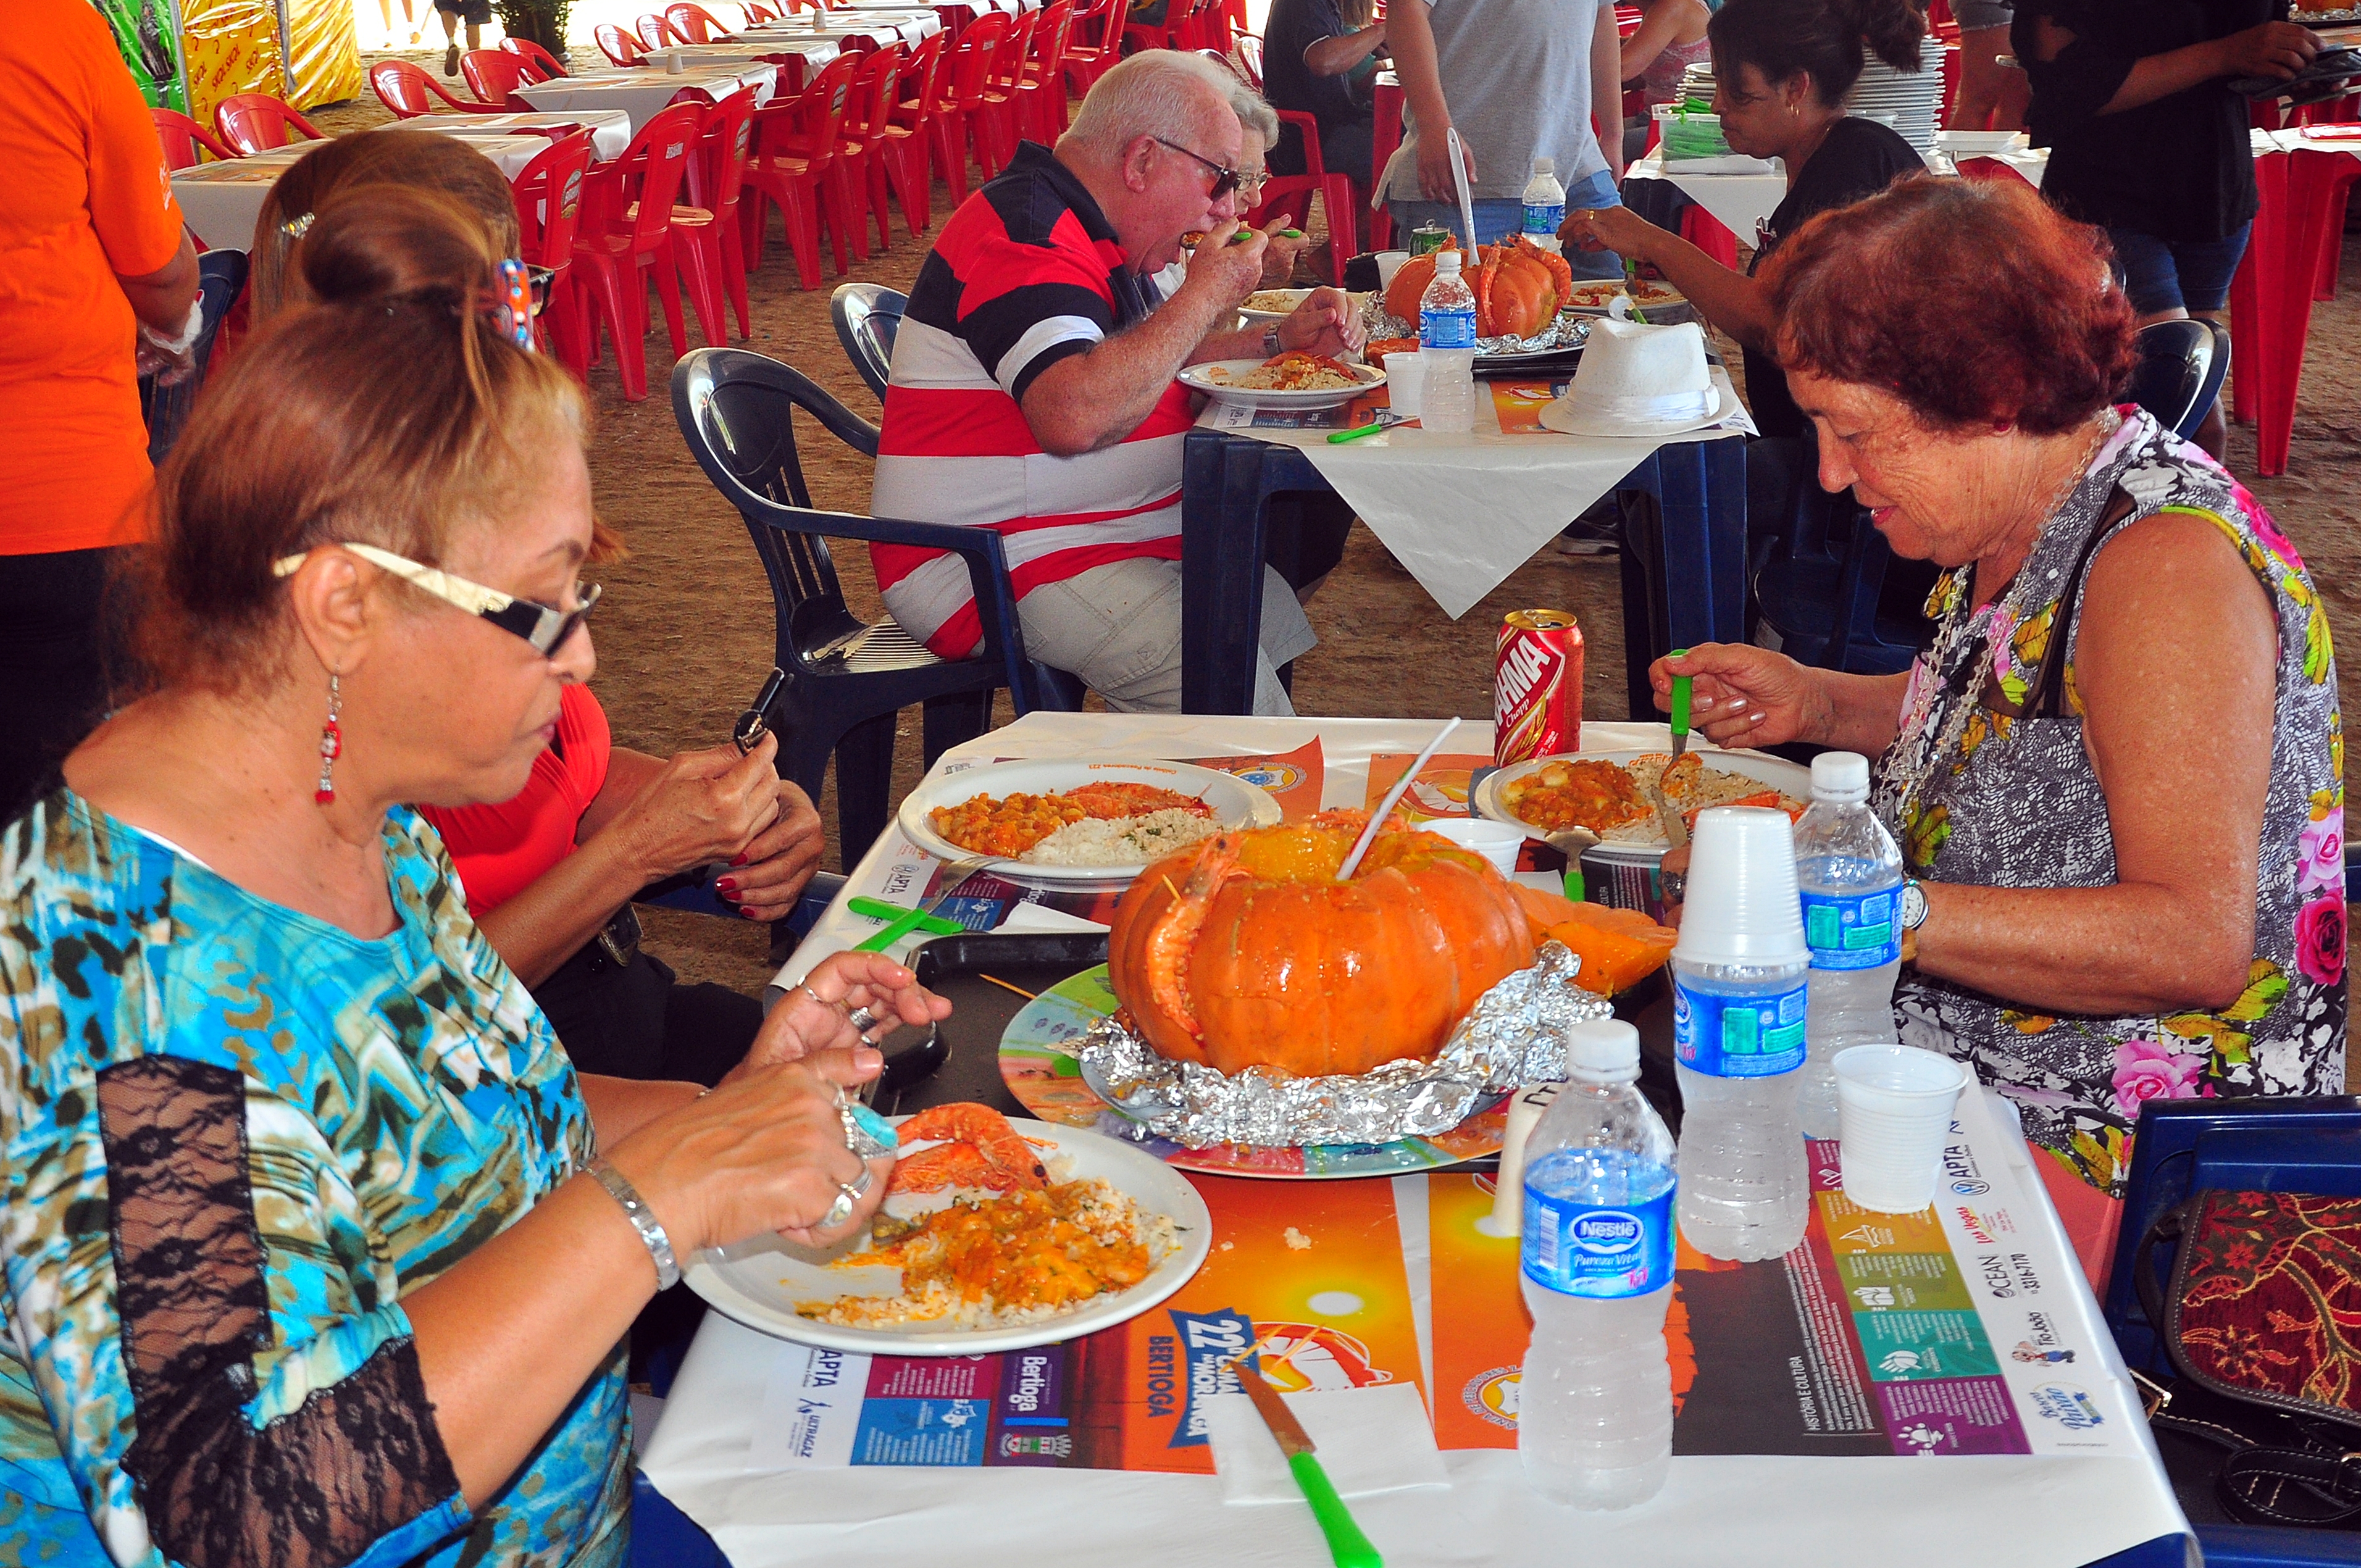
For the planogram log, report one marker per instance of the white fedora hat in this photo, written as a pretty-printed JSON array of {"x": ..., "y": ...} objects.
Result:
[{"x": 1636, "y": 379}]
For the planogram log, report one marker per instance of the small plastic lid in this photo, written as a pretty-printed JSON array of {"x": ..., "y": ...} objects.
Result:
[
  {"x": 1545, "y": 166},
  {"x": 1840, "y": 776},
  {"x": 1446, "y": 264},
  {"x": 1603, "y": 1048}
]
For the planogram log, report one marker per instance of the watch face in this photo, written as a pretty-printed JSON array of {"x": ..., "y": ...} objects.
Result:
[{"x": 1914, "y": 905}]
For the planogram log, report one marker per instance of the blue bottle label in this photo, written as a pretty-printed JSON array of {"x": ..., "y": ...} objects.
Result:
[
  {"x": 1542, "y": 220},
  {"x": 1599, "y": 1249},
  {"x": 1446, "y": 329},
  {"x": 1739, "y": 1036},
  {"x": 1857, "y": 931}
]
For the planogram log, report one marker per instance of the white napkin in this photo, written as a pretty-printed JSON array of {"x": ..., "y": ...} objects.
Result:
[
  {"x": 1030, "y": 918},
  {"x": 1369, "y": 1440}
]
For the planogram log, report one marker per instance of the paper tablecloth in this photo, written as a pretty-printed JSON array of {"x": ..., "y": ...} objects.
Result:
[
  {"x": 221, "y": 201},
  {"x": 1743, "y": 203},
  {"x": 880, "y": 27},
  {"x": 610, "y": 129},
  {"x": 641, "y": 93}
]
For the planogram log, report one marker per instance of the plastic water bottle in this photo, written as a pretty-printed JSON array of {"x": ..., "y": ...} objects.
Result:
[
  {"x": 1848, "y": 870},
  {"x": 1595, "y": 1400},
  {"x": 1738, "y": 1036},
  {"x": 1545, "y": 201},
  {"x": 1447, "y": 349}
]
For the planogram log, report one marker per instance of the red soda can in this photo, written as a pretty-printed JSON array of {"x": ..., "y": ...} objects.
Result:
[{"x": 1537, "y": 686}]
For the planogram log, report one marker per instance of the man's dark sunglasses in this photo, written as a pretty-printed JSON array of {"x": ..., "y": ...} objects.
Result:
[{"x": 1226, "y": 179}]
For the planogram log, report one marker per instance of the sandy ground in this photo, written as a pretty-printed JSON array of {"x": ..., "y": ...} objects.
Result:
[{"x": 685, "y": 631}]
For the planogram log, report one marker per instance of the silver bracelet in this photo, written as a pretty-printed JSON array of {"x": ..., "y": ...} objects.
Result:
[{"x": 644, "y": 1220}]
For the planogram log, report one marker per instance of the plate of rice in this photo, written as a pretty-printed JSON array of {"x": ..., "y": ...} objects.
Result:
[
  {"x": 1078, "y": 820},
  {"x": 944, "y": 1259},
  {"x": 1607, "y": 792},
  {"x": 1290, "y": 380}
]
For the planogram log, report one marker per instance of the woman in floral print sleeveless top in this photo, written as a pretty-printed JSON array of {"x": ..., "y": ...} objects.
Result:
[{"x": 2117, "y": 774}]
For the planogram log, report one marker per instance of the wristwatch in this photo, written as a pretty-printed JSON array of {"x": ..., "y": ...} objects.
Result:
[{"x": 1913, "y": 904}]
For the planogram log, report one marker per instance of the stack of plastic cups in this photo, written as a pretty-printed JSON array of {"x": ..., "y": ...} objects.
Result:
[{"x": 1896, "y": 1105}]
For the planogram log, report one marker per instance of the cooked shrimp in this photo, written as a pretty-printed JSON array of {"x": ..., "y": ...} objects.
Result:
[
  {"x": 1175, "y": 936},
  {"x": 975, "y": 1148}
]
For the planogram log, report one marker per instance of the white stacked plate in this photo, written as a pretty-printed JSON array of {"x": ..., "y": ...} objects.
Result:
[
  {"x": 1696, "y": 82},
  {"x": 1910, "y": 102}
]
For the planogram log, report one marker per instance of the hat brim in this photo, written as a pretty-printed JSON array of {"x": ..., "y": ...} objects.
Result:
[{"x": 1564, "y": 418}]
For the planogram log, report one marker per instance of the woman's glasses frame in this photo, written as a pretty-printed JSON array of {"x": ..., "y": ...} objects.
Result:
[{"x": 545, "y": 627}]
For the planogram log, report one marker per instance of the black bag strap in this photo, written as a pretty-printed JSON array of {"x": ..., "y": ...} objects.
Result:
[
  {"x": 2047, "y": 697},
  {"x": 2292, "y": 1487}
]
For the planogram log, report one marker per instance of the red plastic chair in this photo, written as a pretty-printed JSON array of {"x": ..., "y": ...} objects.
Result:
[
  {"x": 707, "y": 244},
  {"x": 1246, "y": 55},
  {"x": 409, "y": 91},
  {"x": 620, "y": 47},
  {"x": 909, "y": 141},
  {"x": 696, "y": 24},
  {"x": 794, "y": 168},
  {"x": 656, "y": 33},
  {"x": 2271, "y": 298},
  {"x": 996, "y": 124},
  {"x": 545, "y": 64},
  {"x": 494, "y": 76},
  {"x": 1293, "y": 192},
  {"x": 1210, "y": 23},
  {"x": 548, "y": 193},
  {"x": 1096, "y": 44},
  {"x": 1041, "y": 112},
  {"x": 760, "y": 14},
  {"x": 256, "y": 122},
  {"x": 183, "y": 136},
  {"x": 868, "y": 110},
  {"x": 954, "y": 120},
  {"x": 626, "y": 229}
]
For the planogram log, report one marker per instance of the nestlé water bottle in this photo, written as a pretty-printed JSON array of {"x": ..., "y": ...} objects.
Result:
[
  {"x": 1447, "y": 349},
  {"x": 1848, "y": 870},
  {"x": 1595, "y": 1399},
  {"x": 1545, "y": 201},
  {"x": 1738, "y": 1036}
]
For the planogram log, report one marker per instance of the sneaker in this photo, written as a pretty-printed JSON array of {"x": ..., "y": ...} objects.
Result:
[
  {"x": 1599, "y": 531},
  {"x": 451, "y": 60}
]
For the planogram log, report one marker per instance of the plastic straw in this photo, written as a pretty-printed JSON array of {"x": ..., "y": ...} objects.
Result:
[
  {"x": 1466, "y": 202},
  {"x": 1385, "y": 807}
]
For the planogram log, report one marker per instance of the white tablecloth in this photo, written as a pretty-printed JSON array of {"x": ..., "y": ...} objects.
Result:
[
  {"x": 221, "y": 201},
  {"x": 880, "y": 27},
  {"x": 610, "y": 129},
  {"x": 1743, "y": 203},
  {"x": 817, "y": 50},
  {"x": 640, "y": 94},
  {"x": 2051, "y": 1511}
]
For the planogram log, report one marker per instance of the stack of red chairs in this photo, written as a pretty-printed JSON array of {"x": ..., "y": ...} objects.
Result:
[
  {"x": 868, "y": 144},
  {"x": 794, "y": 168},
  {"x": 183, "y": 136},
  {"x": 909, "y": 118},
  {"x": 1041, "y": 92},
  {"x": 548, "y": 192},
  {"x": 954, "y": 120},
  {"x": 627, "y": 228},
  {"x": 996, "y": 121}
]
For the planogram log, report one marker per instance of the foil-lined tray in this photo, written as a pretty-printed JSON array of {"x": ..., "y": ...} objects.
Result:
[
  {"x": 1562, "y": 332},
  {"x": 1515, "y": 1035}
]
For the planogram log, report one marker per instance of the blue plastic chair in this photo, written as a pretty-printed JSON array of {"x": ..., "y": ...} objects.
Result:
[
  {"x": 663, "y": 1537},
  {"x": 221, "y": 278},
  {"x": 847, "y": 678},
  {"x": 867, "y": 315},
  {"x": 2180, "y": 370}
]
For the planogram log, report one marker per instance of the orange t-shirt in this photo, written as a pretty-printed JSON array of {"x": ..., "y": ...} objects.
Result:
[{"x": 84, "y": 197}]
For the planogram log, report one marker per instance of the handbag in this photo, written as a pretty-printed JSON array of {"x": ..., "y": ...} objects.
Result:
[{"x": 2262, "y": 1320}]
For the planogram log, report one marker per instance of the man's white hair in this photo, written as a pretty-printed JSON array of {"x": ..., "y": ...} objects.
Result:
[
  {"x": 1260, "y": 117},
  {"x": 1156, "y": 92}
]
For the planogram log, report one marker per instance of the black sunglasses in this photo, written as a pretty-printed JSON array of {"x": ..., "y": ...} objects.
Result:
[{"x": 1226, "y": 179}]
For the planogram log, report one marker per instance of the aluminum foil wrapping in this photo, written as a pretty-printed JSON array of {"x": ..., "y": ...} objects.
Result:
[
  {"x": 1561, "y": 331},
  {"x": 1515, "y": 1035}
]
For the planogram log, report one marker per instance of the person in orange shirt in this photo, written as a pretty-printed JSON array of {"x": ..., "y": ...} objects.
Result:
[{"x": 92, "y": 255}]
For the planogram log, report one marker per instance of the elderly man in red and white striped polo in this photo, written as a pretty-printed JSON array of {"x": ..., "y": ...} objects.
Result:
[{"x": 1032, "y": 389}]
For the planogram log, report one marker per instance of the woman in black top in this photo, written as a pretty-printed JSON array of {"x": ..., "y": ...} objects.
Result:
[
  {"x": 1315, "y": 54},
  {"x": 1781, "y": 69},
  {"x": 2132, "y": 99}
]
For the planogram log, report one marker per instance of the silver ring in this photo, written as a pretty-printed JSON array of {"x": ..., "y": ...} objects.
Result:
[
  {"x": 846, "y": 1195},
  {"x": 863, "y": 1021},
  {"x": 815, "y": 995}
]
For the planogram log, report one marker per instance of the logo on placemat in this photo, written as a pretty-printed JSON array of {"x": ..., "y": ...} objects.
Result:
[
  {"x": 1492, "y": 1396},
  {"x": 2069, "y": 1407}
]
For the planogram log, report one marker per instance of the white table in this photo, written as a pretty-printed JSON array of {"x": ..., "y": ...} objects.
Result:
[
  {"x": 610, "y": 129},
  {"x": 221, "y": 201},
  {"x": 1743, "y": 203},
  {"x": 881, "y": 28},
  {"x": 2054, "y": 1510},
  {"x": 641, "y": 94}
]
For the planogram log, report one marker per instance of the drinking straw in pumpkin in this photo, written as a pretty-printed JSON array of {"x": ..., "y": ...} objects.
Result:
[
  {"x": 1393, "y": 798},
  {"x": 1466, "y": 201}
]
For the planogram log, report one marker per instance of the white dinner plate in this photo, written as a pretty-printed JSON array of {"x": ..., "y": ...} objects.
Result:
[
  {"x": 1236, "y": 803},
  {"x": 1789, "y": 778},
  {"x": 1294, "y": 297},
  {"x": 759, "y": 1283},
  {"x": 1197, "y": 378}
]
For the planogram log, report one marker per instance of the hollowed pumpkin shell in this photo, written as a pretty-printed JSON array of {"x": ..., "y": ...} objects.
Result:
[
  {"x": 1518, "y": 287},
  {"x": 1245, "y": 951}
]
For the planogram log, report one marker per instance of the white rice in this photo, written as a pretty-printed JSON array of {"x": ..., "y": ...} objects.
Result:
[
  {"x": 1123, "y": 840},
  {"x": 1707, "y": 786}
]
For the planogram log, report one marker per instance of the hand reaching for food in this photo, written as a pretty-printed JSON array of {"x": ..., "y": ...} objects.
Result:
[
  {"x": 1325, "y": 323},
  {"x": 847, "y": 1003},
  {"x": 1745, "y": 695}
]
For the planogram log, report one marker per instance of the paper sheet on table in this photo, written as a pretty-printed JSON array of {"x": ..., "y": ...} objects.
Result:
[{"x": 1369, "y": 1441}]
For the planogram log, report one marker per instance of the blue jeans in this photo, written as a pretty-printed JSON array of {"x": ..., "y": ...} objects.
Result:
[
  {"x": 2161, "y": 275},
  {"x": 1496, "y": 218}
]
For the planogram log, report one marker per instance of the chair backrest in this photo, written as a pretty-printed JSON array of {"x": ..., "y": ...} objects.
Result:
[
  {"x": 656, "y": 162},
  {"x": 617, "y": 45},
  {"x": 657, "y": 33},
  {"x": 181, "y": 136},
  {"x": 696, "y": 23},
  {"x": 546, "y": 64},
  {"x": 815, "y": 119},
  {"x": 719, "y": 173},
  {"x": 1050, "y": 40},
  {"x": 1248, "y": 49},
  {"x": 920, "y": 85},
  {"x": 971, "y": 59},
  {"x": 407, "y": 90},
  {"x": 256, "y": 122},
  {"x": 1307, "y": 136},
  {"x": 870, "y": 104},
  {"x": 867, "y": 316},
  {"x": 492, "y": 75},
  {"x": 548, "y": 193},
  {"x": 221, "y": 278},
  {"x": 1099, "y": 25},
  {"x": 1009, "y": 55},
  {"x": 2179, "y": 371}
]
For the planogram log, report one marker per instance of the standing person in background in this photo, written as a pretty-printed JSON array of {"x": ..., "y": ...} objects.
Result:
[
  {"x": 1992, "y": 96},
  {"x": 2146, "y": 139},
  {"x": 1516, "y": 78},
  {"x": 93, "y": 261},
  {"x": 475, "y": 13},
  {"x": 1671, "y": 38},
  {"x": 1318, "y": 57}
]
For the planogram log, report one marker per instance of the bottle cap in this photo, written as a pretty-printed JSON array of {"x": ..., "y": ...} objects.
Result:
[
  {"x": 1743, "y": 906},
  {"x": 1446, "y": 264},
  {"x": 1606, "y": 1050},
  {"x": 1545, "y": 166},
  {"x": 1840, "y": 776}
]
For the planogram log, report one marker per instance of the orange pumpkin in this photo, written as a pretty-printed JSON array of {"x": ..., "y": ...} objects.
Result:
[
  {"x": 1618, "y": 947},
  {"x": 1245, "y": 951},
  {"x": 1518, "y": 287}
]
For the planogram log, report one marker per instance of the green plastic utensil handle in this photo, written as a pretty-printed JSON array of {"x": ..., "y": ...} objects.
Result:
[
  {"x": 878, "y": 909},
  {"x": 1347, "y": 1544},
  {"x": 1681, "y": 687},
  {"x": 892, "y": 934},
  {"x": 1356, "y": 433}
]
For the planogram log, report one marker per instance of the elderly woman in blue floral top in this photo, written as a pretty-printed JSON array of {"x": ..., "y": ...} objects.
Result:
[
  {"x": 318, "y": 1251},
  {"x": 2119, "y": 771}
]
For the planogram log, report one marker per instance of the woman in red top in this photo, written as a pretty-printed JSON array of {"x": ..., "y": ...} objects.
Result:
[{"x": 550, "y": 876}]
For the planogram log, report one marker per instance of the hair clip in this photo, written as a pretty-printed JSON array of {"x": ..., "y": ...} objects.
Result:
[
  {"x": 516, "y": 301},
  {"x": 294, "y": 228}
]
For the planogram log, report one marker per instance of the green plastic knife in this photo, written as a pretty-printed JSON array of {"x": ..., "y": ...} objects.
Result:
[
  {"x": 1347, "y": 1544},
  {"x": 878, "y": 909}
]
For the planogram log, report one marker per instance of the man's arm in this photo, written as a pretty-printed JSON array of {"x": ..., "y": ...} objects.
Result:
[
  {"x": 1335, "y": 56},
  {"x": 1607, "y": 89},
  {"x": 1412, "y": 39},
  {"x": 162, "y": 299}
]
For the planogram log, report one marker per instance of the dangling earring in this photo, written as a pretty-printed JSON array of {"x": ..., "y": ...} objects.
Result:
[{"x": 332, "y": 743}]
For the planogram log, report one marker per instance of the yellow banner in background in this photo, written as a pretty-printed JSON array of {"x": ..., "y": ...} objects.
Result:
[
  {"x": 323, "y": 61},
  {"x": 229, "y": 46}
]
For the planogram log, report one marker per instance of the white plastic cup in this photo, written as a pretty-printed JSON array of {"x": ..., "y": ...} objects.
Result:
[
  {"x": 1406, "y": 384},
  {"x": 1893, "y": 1116},
  {"x": 1741, "y": 905},
  {"x": 673, "y": 64},
  {"x": 1389, "y": 263},
  {"x": 1495, "y": 841}
]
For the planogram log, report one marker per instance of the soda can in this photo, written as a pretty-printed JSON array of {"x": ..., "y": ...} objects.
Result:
[
  {"x": 1537, "y": 686},
  {"x": 1426, "y": 241}
]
